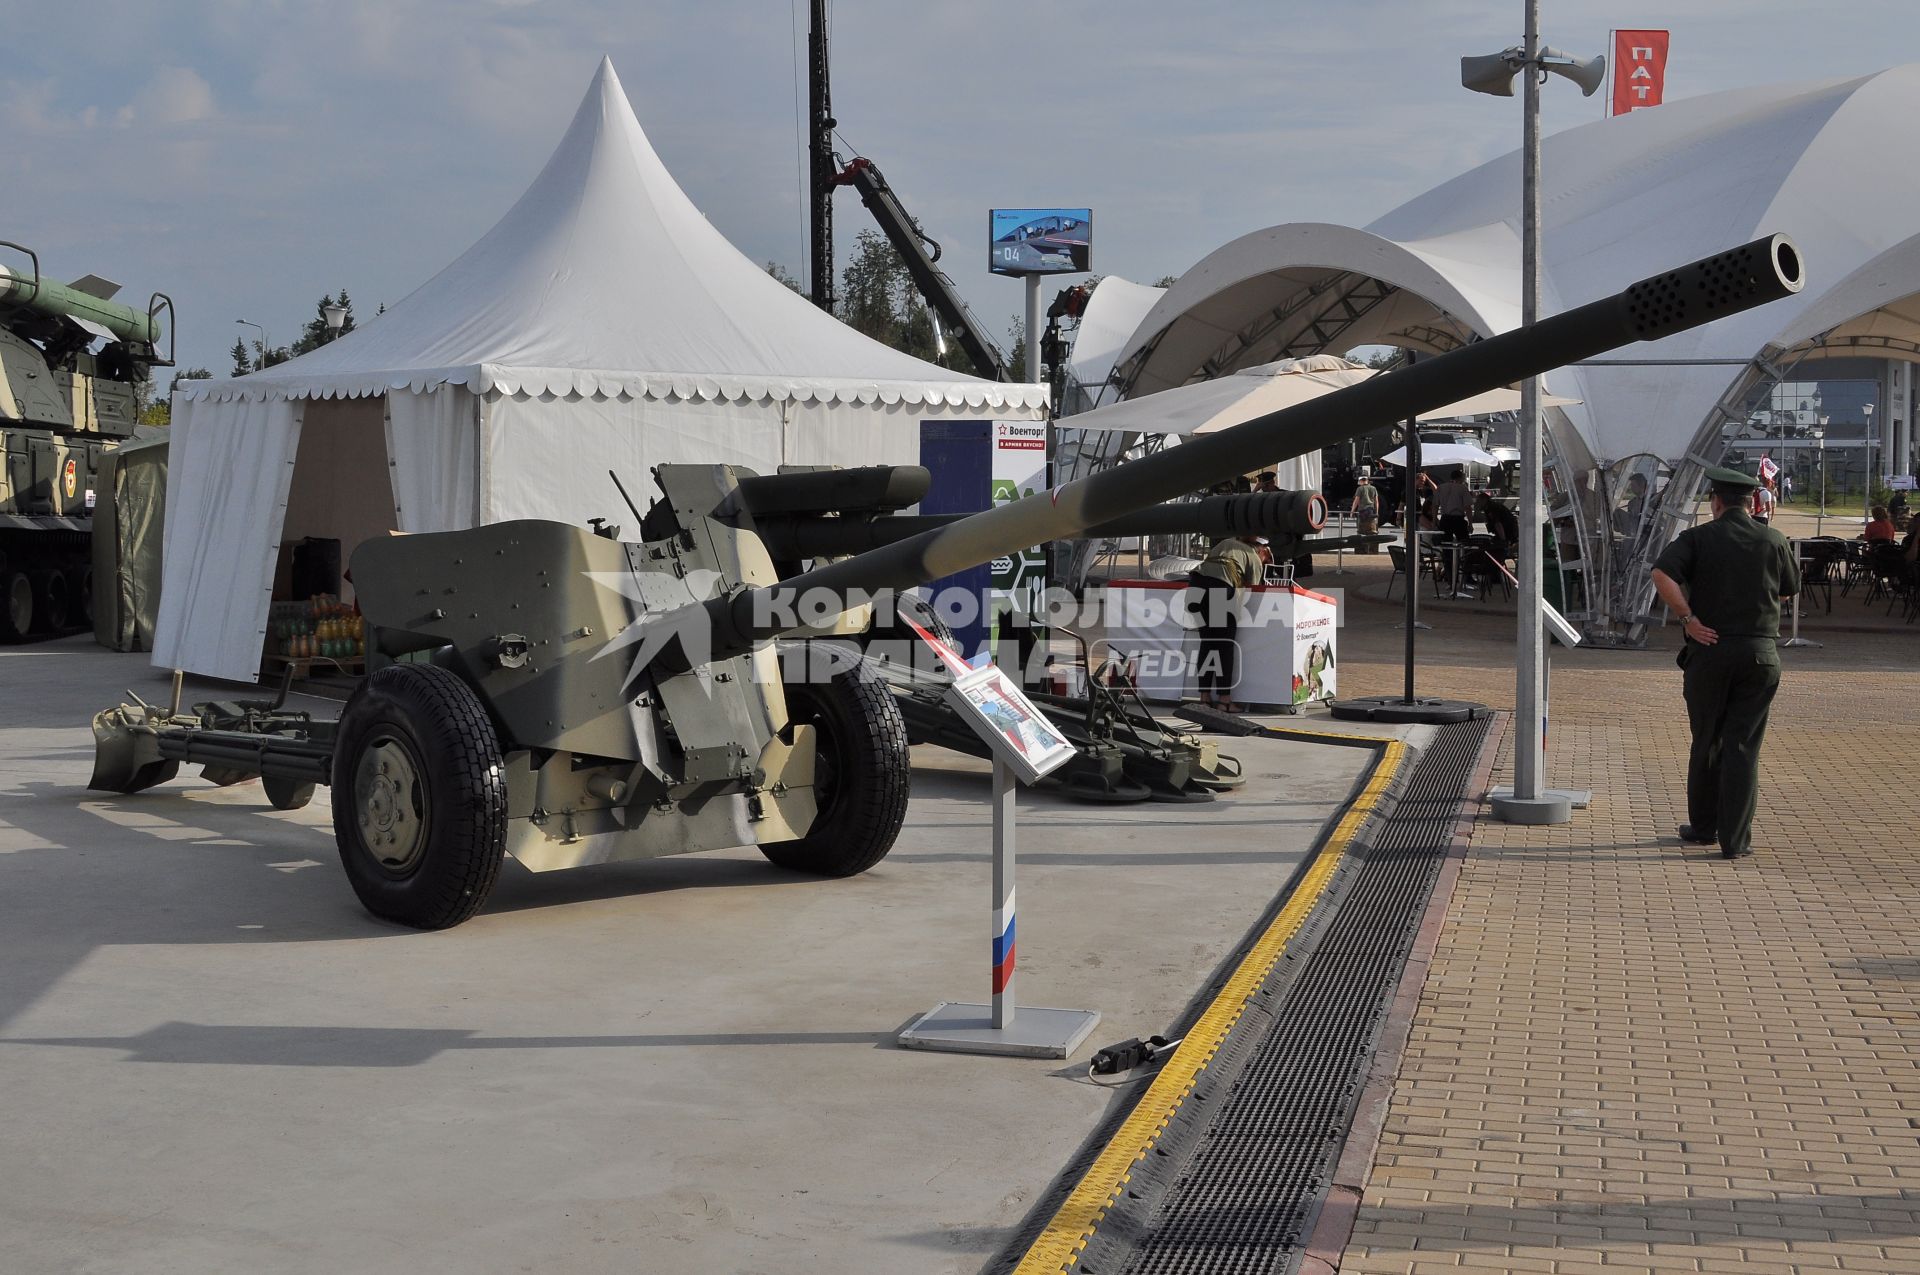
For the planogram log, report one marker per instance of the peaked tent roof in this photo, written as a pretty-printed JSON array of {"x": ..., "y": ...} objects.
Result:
[{"x": 606, "y": 279}]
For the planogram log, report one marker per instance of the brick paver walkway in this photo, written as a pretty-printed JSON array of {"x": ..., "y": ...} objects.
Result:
[{"x": 1633, "y": 1055}]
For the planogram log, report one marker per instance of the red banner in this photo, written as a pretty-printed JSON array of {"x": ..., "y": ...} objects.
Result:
[{"x": 1639, "y": 69}]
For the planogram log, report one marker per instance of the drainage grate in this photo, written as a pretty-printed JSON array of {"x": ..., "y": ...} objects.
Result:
[{"x": 1233, "y": 1187}]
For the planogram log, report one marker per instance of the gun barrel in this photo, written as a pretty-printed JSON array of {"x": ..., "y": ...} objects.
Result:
[
  {"x": 1675, "y": 301},
  {"x": 1287, "y": 514},
  {"x": 56, "y": 300}
]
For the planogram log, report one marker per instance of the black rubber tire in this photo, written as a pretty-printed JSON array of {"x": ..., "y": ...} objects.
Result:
[
  {"x": 85, "y": 597},
  {"x": 862, "y": 776},
  {"x": 460, "y": 795},
  {"x": 287, "y": 794},
  {"x": 18, "y": 602},
  {"x": 54, "y": 601}
]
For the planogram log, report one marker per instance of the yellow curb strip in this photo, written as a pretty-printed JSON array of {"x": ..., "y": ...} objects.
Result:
[{"x": 1060, "y": 1244}]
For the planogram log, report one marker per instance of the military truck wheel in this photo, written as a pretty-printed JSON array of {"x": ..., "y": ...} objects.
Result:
[
  {"x": 16, "y": 606},
  {"x": 861, "y": 774},
  {"x": 287, "y": 794},
  {"x": 54, "y": 597},
  {"x": 419, "y": 797}
]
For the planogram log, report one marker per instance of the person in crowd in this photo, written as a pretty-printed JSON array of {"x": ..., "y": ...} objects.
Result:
[
  {"x": 1425, "y": 489},
  {"x": 1231, "y": 566},
  {"x": 1454, "y": 503},
  {"x": 1269, "y": 481},
  {"x": 1786, "y": 488},
  {"x": 1627, "y": 518},
  {"x": 1726, "y": 579},
  {"x": 1501, "y": 523},
  {"x": 1897, "y": 508},
  {"x": 1879, "y": 525},
  {"x": 1365, "y": 509},
  {"x": 1763, "y": 502}
]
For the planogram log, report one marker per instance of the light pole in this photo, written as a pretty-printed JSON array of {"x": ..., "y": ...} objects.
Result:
[
  {"x": 1494, "y": 74},
  {"x": 1866, "y": 498},
  {"x": 336, "y": 315},
  {"x": 262, "y": 345},
  {"x": 1820, "y": 439}
]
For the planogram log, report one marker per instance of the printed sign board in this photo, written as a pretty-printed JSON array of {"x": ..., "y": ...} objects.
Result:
[
  {"x": 1020, "y": 470},
  {"x": 1023, "y": 241},
  {"x": 1001, "y": 714}
]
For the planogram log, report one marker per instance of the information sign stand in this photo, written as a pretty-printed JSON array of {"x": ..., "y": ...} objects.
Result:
[{"x": 1026, "y": 747}]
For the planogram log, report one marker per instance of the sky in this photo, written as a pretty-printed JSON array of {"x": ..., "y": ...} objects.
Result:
[{"x": 248, "y": 156}]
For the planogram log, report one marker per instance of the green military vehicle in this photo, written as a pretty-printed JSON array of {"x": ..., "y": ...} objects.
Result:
[{"x": 61, "y": 402}]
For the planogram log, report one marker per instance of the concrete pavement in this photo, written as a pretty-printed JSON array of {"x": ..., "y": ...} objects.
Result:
[{"x": 212, "y": 1059}]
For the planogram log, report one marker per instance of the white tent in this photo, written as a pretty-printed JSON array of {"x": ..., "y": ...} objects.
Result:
[
  {"x": 1622, "y": 198},
  {"x": 603, "y": 323}
]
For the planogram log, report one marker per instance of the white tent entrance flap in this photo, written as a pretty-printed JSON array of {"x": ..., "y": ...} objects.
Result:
[
  {"x": 230, "y": 472},
  {"x": 433, "y": 456}
]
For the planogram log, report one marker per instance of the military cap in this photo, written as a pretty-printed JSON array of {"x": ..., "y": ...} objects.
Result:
[{"x": 1731, "y": 478}]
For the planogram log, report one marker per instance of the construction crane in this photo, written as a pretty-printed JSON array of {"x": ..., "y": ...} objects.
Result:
[{"x": 918, "y": 251}]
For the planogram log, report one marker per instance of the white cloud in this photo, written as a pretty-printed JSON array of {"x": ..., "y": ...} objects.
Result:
[
  {"x": 175, "y": 95},
  {"x": 364, "y": 143}
]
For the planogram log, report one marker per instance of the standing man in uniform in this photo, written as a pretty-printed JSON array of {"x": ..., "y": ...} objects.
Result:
[{"x": 1725, "y": 579}]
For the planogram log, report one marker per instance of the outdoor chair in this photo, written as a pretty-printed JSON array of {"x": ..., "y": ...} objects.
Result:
[
  {"x": 1429, "y": 567},
  {"x": 1823, "y": 559},
  {"x": 1857, "y": 569},
  {"x": 1484, "y": 571},
  {"x": 1886, "y": 574}
]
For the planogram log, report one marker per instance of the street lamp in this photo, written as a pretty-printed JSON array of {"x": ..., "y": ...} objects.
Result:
[
  {"x": 1820, "y": 438},
  {"x": 1866, "y": 510},
  {"x": 336, "y": 315},
  {"x": 1494, "y": 74},
  {"x": 262, "y": 347}
]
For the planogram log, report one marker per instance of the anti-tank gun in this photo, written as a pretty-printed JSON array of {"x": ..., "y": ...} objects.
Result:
[
  {"x": 1122, "y": 751},
  {"x": 565, "y": 697}
]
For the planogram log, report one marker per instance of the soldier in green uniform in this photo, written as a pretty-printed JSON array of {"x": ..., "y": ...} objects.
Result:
[{"x": 1725, "y": 579}]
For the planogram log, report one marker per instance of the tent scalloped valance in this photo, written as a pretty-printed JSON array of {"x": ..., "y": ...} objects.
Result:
[{"x": 581, "y": 383}]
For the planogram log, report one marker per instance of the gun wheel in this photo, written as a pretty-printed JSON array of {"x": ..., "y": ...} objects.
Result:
[
  {"x": 419, "y": 797},
  {"x": 861, "y": 774}
]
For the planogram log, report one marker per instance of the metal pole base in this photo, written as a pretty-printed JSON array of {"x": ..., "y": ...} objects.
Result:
[
  {"x": 1800, "y": 641},
  {"x": 968, "y": 1029},
  {"x": 1398, "y": 709},
  {"x": 1418, "y": 624},
  {"x": 1548, "y": 807}
]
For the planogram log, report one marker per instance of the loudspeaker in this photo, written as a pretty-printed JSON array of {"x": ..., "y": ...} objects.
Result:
[
  {"x": 1588, "y": 73},
  {"x": 1492, "y": 73}
]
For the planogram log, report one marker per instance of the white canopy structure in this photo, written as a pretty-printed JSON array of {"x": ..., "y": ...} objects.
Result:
[
  {"x": 602, "y": 324},
  {"x": 1623, "y": 198}
]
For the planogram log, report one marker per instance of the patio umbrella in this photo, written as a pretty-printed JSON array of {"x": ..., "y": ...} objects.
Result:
[
  {"x": 1229, "y": 400},
  {"x": 1444, "y": 454}
]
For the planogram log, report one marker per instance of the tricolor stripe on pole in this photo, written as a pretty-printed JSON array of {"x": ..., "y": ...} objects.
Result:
[{"x": 1003, "y": 945}]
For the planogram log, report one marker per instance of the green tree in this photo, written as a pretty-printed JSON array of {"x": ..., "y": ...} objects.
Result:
[
  {"x": 317, "y": 333},
  {"x": 877, "y": 297},
  {"x": 779, "y": 272},
  {"x": 159, "y": 407},
  {"x": 242, "y": 357},
  {"x": 1017, "y": 349}
]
